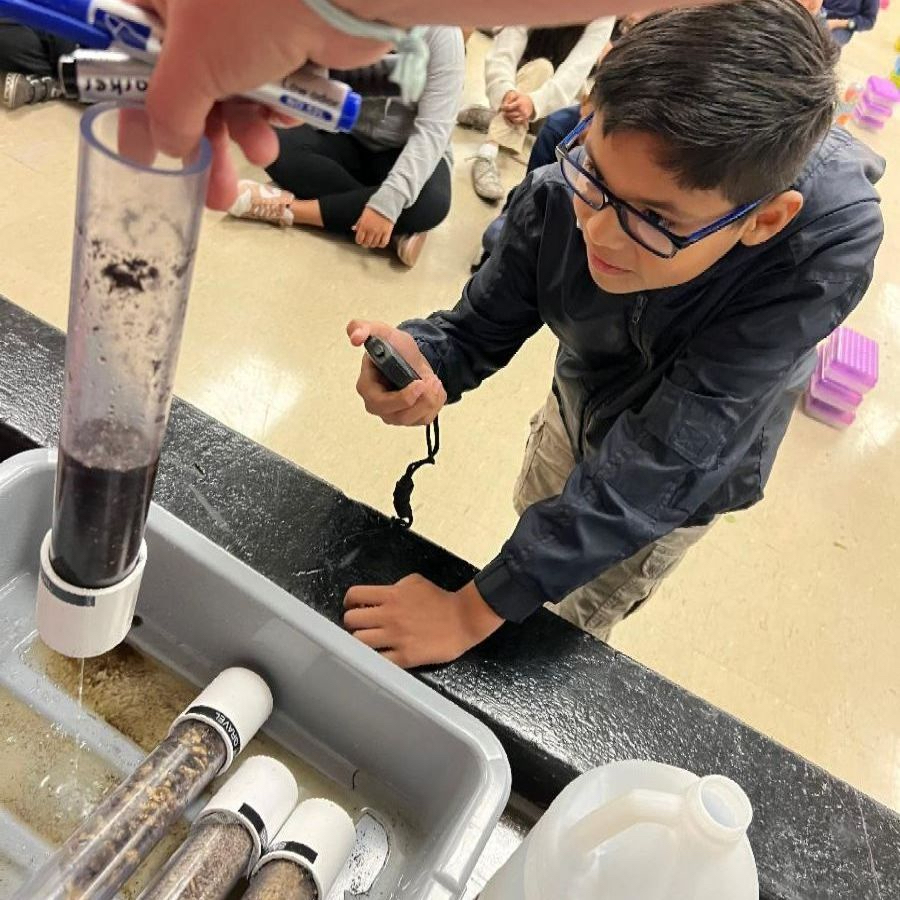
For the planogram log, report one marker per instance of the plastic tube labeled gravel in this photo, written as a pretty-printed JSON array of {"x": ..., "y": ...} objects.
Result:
[
  {"x": 104, "y": 851},
  {"x": 306, "y": 856},
  {"x": 228, "y": 837}
]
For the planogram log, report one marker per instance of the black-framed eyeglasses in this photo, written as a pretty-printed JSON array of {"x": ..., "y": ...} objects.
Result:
[{"x": 644, "y": 227}]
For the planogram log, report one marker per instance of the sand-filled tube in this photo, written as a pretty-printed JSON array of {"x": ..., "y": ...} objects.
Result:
[
  {"x": 306, "y": 856},
  {"x": 104, "y": 851},
  {"x": 228, "y": 837}
]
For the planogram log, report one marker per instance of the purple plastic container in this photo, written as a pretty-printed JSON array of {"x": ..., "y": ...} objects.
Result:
[
  {"x": 850, "y": 359},
  {"x": 832, "y": 393},
  {"x": 830, "y": 415},
  {"x": 882, "y": 91}
]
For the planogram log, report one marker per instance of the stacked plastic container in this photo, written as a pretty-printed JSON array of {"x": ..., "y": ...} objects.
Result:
[
  {"x": 846, "y": 370},
  {"x": 876, "y": 104}
]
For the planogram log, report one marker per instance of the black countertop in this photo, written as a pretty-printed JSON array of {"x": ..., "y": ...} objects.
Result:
[{"x": 560, "y": 701}]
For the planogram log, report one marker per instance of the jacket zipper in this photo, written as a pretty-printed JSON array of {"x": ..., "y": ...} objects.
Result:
[{"x": 589, "y": 406}]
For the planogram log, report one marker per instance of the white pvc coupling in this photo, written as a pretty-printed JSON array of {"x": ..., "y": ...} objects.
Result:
[
  {"x": 236, "y": 703},
  {"x": 261, "y": 794},
  {"x": 318, "y": 836},
  {"x": 77, "y": 621}
]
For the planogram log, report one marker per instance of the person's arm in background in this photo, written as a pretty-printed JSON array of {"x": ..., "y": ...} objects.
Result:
[
  {"x": 564, "y": 87},
  {"x": 435, "y": 120},
  {"x": 502, "y": 63},
  {"x": 864, "y": 20}
]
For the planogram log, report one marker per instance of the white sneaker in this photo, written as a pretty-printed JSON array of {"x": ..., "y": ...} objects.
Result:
[{"x": 486, "y": 179}]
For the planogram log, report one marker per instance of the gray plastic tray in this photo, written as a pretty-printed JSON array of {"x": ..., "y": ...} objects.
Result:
[{"x": 439, "y": 776}]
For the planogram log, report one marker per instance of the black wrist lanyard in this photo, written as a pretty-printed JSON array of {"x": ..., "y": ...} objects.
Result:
[{"x": 404, "y": 487}]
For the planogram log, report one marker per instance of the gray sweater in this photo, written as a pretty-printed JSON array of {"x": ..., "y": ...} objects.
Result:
[{"x": 423, "y": 129}]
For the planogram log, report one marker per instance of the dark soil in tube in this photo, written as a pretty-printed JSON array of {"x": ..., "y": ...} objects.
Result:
[{"x": 101, "y": 505}]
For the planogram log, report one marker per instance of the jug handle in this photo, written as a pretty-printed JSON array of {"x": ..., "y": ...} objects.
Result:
[{"x": 634, "y": 808}]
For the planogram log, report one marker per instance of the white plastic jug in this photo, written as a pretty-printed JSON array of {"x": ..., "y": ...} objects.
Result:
[{"x": 636, "y": 830}]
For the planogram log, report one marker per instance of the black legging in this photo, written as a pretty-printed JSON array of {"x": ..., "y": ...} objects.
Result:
[
  {"x": 29, "y": 51},
  {"x": 342, "y": 174}
]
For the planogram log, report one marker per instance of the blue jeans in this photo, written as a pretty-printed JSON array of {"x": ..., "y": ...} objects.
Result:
[
  {"x": 841, "y": 36},
  {"x": 556, "y": 126}
]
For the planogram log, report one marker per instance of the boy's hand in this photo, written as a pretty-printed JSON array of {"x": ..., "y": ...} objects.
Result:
[
  {"x": 372, "y": 229},
  {"x": 415, "y": 623},
  {"x": 418, "y": 403}
]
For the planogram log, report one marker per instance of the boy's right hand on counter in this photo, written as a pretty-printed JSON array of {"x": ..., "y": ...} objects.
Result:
[{"x": 417, "y": 404}]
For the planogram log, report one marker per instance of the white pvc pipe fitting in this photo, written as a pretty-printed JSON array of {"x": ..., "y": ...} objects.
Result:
[
  {"x": 261, "y": 794},
  {"x": 236, "y": 703},
  {"x": 77, "y": 621},
  {"x": 318, "y": 836}
]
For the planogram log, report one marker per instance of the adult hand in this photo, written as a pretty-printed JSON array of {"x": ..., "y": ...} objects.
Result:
[
  {"x": 418, "y": 403},
  {"x": 834, "y": 24},
  {"x": 373, "y": 229},
  {"x": 218, "y": 48},
  {"x": 518, "y": 110},
  {"x": 415, "y": 623}
]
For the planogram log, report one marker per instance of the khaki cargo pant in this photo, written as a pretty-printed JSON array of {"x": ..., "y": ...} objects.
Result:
[
  {"x": 597, "y": 606},
  {"x": 529, "y": 78}
]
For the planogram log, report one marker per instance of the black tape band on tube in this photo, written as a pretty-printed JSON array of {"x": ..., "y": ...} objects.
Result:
[
  {"x": 217, "y": 718},
  {"x": 83, "y": 600},
  {"x": 254, "y": 818},
  {"x": 307, "y": 853}
]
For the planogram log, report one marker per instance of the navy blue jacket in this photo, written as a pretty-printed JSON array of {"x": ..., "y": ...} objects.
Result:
[{"x": 675, "y": 400}]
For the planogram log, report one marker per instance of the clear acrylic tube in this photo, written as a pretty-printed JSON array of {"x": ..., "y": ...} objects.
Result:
[
  {"x": 282, "y": 879},
  {"x": 208, "y": 864},
  {"x": 103, "y": 853},
  {"x": 136, "y": 228}
]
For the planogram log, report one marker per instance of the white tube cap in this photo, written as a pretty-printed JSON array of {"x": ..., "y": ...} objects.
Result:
[
  {"x": 261, "y": 793},
  {"x": 236, "y": 703},
  {"x": 318, "y": 836},
  {"x": 77, "y": 621}
]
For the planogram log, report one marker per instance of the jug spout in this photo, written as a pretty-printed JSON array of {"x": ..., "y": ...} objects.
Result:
[{"x": 715, "y": 806}]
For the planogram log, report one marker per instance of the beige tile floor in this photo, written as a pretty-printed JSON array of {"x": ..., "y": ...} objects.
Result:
[{"x": 787, "y": 615}]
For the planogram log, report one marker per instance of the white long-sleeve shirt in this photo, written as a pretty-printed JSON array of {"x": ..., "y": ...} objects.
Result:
[
  {"x": 562, "y": 89},
  {"x": 422, "y": 129}
]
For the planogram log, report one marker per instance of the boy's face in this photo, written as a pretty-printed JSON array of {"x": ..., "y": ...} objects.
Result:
[{"x": 626, "y": 163}]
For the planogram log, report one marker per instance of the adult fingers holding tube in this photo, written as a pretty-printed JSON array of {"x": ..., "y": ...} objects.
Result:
[{"x": 214, "y": 49}]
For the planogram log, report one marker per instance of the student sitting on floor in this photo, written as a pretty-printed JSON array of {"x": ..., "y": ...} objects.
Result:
[
  {"x": 529, "y": 74},
  {"x": 688, "y": 256},
  {"x": 28, "y": 61},
  {"x": 386, "y": 182}
]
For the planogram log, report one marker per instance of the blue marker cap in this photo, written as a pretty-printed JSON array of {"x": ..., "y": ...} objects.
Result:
[{"x": 350, "y": 112}]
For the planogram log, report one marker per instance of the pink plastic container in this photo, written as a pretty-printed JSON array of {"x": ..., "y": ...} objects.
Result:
[
  {"x": 850, "y": 359},
  {"x": 830, "y": 415},
  {"x": 832, "y": 393}
]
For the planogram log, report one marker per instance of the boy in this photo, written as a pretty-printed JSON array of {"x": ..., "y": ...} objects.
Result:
[{"x": 719, "y": 231}]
